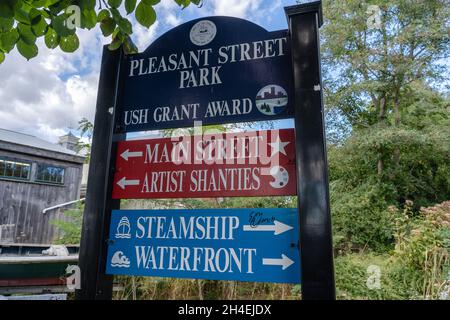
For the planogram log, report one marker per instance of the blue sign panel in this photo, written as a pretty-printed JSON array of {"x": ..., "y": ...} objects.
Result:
[
  {"x": 217, "y": 244},
  {"x": 214, "y": 70}
]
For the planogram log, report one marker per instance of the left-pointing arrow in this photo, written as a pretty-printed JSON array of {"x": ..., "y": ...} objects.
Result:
[
  {"x": 128, "y": 154},
  {"x": 124, "y": 182},
  {"x": 284, "y": 262}
]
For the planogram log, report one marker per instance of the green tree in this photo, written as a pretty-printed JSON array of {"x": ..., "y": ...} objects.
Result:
[
  {"x": 392, "y": 122},
  {"x": 86, "y": 131},
  {"x": 370, "y": 70},
  {"x": 22, "y": 22},
  {"x": 71, "y": 228}
]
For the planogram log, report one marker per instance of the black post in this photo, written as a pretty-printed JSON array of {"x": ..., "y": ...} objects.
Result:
[
  {"x": 316, "y": 247},
  {"x": 97, "y": 212}
]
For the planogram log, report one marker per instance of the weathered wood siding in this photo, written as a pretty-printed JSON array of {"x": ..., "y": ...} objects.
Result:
[{"x": 22, "y": 202}]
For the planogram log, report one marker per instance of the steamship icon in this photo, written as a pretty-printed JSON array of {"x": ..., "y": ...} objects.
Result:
[
  {"x": 271, "y": 100},
  {"x": 123, "y": 229}
]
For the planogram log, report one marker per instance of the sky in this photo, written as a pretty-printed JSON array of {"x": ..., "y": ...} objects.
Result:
[{"x": 49, "y": 94}]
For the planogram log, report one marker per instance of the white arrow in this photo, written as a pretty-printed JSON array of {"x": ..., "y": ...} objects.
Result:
[
  {"x": 277, "y": 227},
  {"x": 285, "y": 262},
  {"x": 127, "y": 154},
  {"x": 124, "y": 182}
]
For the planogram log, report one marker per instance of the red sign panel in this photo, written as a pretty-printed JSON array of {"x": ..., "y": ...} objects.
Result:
[{"x": 243, "y": 164}]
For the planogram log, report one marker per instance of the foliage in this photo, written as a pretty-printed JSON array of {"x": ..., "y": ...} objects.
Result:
[
  {"x": 423, "y": 248},
  {"x": 71, "y": 227},
  {"x": 22, "y": 22},
  {"x": 86, "y": 131},
  {"x": 389, "y": 126},
  {"x": 360, "y": 196},
  {"x": 369, "y": 70},
  {"x": 351, "y": 272},
  {"x": 359, "y": 217},
  {"x": 149, "y": 288}
]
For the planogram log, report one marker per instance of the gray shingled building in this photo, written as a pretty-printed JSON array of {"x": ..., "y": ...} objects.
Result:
[{"x": 35, "y": 175}]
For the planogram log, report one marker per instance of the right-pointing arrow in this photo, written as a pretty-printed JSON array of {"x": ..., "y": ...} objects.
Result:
[
  {"x": 285, "y": 262},
  {"x": 277, "y": 227}
]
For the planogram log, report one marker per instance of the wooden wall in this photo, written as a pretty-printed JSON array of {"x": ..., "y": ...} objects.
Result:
[{"x": 21, "y": 203}]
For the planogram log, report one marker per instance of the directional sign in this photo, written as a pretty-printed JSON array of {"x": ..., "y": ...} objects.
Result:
[
  {"x": 214, "y": 70},
  {"x": 218, "y": 244},
  {"x": 257, "y": 163}
]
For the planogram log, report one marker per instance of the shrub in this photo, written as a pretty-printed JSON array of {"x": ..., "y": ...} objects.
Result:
[
  {"x": 423, "y": 248},
  {"x": 71, "y": 229},
  {"x": 360, "y": 218}
]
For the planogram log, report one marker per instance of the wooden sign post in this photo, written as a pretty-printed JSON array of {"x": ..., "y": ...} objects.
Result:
[
  {"x": 312, "y": 182},
  {"x": 95, "y": 284}
]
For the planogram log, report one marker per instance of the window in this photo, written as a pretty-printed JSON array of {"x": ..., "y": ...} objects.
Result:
[
  {"x": 14, "y": 169},
  {"x": 48, "y": 173}
]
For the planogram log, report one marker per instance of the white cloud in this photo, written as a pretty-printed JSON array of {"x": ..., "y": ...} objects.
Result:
[
  {"x": 48, "y": 94},
  {"x": 52, "y": 92},
  {"x": 172, "y": 20},
  {"x": 235, "y": 8},
  {"x": 168, "y": 5},
  {"x": 142, "y": 36}
]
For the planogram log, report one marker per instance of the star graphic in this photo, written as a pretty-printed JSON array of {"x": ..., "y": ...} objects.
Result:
[{"x": 278, "y": 146}]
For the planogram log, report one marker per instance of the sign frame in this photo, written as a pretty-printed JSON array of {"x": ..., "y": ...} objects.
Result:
[
  {"x": 317, "y": 269},
  {"x": 237, "y": 244},
  {"x": 254, "y": 163}
]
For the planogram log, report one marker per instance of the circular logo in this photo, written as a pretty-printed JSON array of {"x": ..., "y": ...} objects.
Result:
[
  {"x": 271, "y": 100},
  {"x": 203, "y": 32},
  {"x": 280, "y": 175}
]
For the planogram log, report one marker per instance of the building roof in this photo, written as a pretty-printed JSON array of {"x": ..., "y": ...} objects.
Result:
[{"x": 32, "y": 141}]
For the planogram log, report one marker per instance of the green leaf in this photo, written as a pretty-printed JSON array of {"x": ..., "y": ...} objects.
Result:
[
  {"x": 145, "y": 14},
  {"x": 6, "y": 10},
  {"x": 8, "y": 40},
  {"x": 6, "y": 24},
  {"x": 130, "y": 5},
  {"x": 43, "y": 3},
  {"x": 115, "y": 14},
  {"x": 2, "y": 57},
  {"x": 35, "y": 16},
  {"x": 103, "y": 14},
  {"x": 40, "y": 28},
  {"x": 70, "y": 43},
  {"x": 87, "y": 4},
  {"x": 26, "y": 34},
  {"x": 182, "y": 3},
  {"x": 151, "y": 2},
  {"x": 115, "y": 3},
  {"x": 22, "y": 16},
  {"x": 88, "y": 19},
  {"x": 58, "y": 6},
  {"x": 59, "y": 25},
  {"x": 39, "y": 3},
  {"x": 107, "y": 26},
  {"x": 51, "y": 39},
  {"x": 129, "y": 47},
  {"x": 115, "y": 44},
  {"x": 125, "y": 26},
  {"x": 115, "y": 33},
  {"x": 28, "y": 51},
  {"x": 45, "y": 14},
  {"x": 38, "y": 23}
]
